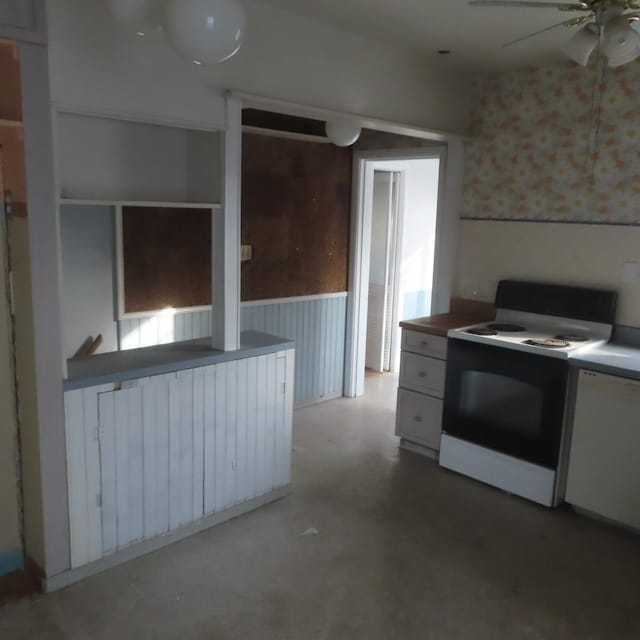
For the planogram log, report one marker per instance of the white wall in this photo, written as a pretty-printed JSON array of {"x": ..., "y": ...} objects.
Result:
[
  {"x": 88, "y": 277},
  {"x": 96, "y": 66},
  {"x": 580, "y": 254},
  {"x": 104, "y": 159}
]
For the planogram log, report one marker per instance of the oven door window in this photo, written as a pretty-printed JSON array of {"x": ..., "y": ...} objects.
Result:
[
  {"x": 497, "y": 399},
  {"x": 506, "y": 400}
]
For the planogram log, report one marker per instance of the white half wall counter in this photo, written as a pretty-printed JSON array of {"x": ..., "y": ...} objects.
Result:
[{"x": 166, "y": 441}]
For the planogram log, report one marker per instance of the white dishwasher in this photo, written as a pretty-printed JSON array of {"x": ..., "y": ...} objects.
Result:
[{"x": 604, "y": 464}]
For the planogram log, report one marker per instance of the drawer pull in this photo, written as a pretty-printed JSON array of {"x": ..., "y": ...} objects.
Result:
[
  {"x": 422, "y": 374},
  {"x": 424, "y": 343},
  {"x": 417, "y": 418}
]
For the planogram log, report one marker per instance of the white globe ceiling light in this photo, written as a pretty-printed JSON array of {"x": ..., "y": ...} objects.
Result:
[
  {"x": 139, "y": 16},
  {"x": 205, "y": 31},
  {"x": 620, "y": 43},
  {"x": 342, "y": 132},
  {"x": 580, "y": 47}
]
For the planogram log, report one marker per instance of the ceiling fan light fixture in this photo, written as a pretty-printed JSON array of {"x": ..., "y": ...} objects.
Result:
[
  {"x": 621, "y": 43},
  {"x": 580, "y": 47}
]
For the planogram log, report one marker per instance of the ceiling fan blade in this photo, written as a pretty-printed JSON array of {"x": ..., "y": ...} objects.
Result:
[
  {"x": 574, "y": 22},
  {"x": 563, "y": 6}
]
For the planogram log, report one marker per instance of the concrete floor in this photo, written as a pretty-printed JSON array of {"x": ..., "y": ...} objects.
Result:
[{"x": 403, "y": 550}]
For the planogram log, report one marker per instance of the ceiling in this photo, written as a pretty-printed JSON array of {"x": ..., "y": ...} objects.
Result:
[{"x": 474, "y": 35}]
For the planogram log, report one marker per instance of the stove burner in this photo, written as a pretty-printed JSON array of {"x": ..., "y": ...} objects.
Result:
[
  {"x": 571, "y": 337},
  {"x": 507, "y": 328},
  {"x": 548, "y": 343},
  {"x": 482, "y": 331}
]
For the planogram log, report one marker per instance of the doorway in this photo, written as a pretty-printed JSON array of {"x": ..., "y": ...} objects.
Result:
[{"x": 401, "y": 258}]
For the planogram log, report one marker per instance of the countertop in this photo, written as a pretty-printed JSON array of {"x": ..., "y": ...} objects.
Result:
[
  {"x": 440, "y": 325},
  {"x": 132, "y": 364},
  {"x": 614, "y": 359}
]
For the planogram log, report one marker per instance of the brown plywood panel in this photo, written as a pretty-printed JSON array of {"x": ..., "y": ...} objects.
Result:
[
  {"x": 166, "y": 258},
  {"x": 296, "y": 204},
  {"x": 10, "y": 94}
]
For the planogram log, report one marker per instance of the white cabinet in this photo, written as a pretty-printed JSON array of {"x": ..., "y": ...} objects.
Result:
[
  {"x": 422, "y": 379},
  {"x": 155, "y": 454},
  {"x": 604, "y": 465}
]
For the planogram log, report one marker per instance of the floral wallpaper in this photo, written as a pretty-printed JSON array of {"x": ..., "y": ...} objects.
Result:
[{"x": 559, "y": 143}]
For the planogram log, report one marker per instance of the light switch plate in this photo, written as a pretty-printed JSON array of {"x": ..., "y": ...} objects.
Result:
[
  {"x": 629, "y": 272},
  {"x": 246, "y": 252}
]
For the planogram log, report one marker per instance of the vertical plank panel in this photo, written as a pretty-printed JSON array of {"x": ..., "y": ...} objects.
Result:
[
  {"x": 178, "y": 320},
  {"x": 76, "y": 478},
  {"x": 175, "y": 453},
  {"x": 220, "y": 434},
  {"x": 342, "y": 346},
  {"x": 122, "y": 467},
  {"x": 252, "y": 419},
  {"x": 150, "y": 435},
  {"x": 261, "y": 415},
  {"x": 185, "y": 380},
  {"x": 210, "y": 474},
  {"x": 280, "y": 455},
  {"x": 272, "y": 395},
  {"x": 243, "y": 392},
  {"x": 231, "y": 429},
  {"x": 162, "y": 428},
  {"x": 198, "y": 443},
  {"x": 288, "y": 415},
  {"x": 135, "y": 462},
  {"x": 322, "y": 335},
  {"x": 106, "y": 412},
  {"x": 332, "y": 349},
  {"x": 92, "y": 468}
]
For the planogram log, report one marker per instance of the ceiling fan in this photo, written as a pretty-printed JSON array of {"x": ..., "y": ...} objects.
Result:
[{"x": 607, "y": 23}]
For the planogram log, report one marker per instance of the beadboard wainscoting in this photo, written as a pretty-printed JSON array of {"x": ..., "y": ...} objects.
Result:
[
  {"x": 150, "y": 456},
  {"x": 317, "y": 324}
]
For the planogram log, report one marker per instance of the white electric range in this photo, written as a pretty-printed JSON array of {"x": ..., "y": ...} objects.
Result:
[{"x": 507, "y": 383}]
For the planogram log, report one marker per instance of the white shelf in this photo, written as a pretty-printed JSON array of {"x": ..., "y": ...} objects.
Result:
[{"x": 139, "y": 203}]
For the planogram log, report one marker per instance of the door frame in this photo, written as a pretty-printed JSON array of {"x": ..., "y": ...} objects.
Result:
[{"x": 451, "y": 156}]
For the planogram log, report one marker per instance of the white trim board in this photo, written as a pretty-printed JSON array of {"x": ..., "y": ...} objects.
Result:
[
  {"x": 138, "y": 203},
  {"x": 142, "y": 118},
  {"x": 449, "y": 200},
  {"x": 317, "y": 296},
  {"x": 297, "y": 109}
]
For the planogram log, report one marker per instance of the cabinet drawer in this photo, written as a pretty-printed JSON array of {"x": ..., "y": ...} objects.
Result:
[
  {"x": 424, "y": 344},
  {"x": 422, "y": 374},
  {"x": 419, "y": 418}
]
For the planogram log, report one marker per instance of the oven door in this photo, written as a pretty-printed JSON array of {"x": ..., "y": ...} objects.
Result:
[{"x": 505, "y": 400}]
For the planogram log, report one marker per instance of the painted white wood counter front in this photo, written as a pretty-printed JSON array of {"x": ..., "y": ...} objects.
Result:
[{"x": 151, "y": 456}]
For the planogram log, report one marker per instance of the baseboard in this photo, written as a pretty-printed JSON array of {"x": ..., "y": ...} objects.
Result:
[
  {"x": 145, "y": 547},
  {"x": 333, "y": 396},
  {"x": 419, "y": 449}
]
